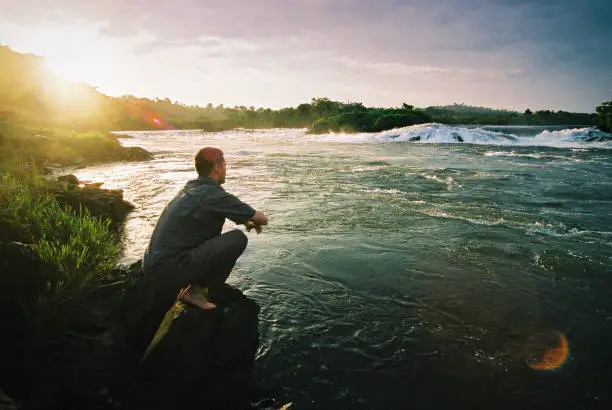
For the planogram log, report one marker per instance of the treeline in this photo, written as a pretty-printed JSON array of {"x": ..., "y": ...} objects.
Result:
[
  {"x": 324, "y": 115},
  {"x": 465, "y": 114},
  {"x": 31, "y": 95}
]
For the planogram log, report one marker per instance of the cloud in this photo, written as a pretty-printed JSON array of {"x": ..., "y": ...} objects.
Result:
[
  {"x": 505, "y": 45},
  {"x": 360, "y": 27}
]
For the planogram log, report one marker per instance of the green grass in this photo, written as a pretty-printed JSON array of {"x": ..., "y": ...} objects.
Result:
[{"x": 83, "y": 248}]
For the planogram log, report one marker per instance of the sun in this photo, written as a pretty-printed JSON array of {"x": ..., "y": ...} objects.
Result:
[
  {"x": 80, "y": 64},
  {"x": 77, "y": 53},
  {"x": 83, "y": 62},
  {"x": 84, "y": 69}
]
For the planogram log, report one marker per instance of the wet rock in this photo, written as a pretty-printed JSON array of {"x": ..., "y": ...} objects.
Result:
[
  {"x": 69, "y": 179},
  {"x": 456, "y": 137},
  {"x": 415, "y": 139},
  {"x": 593, "y": 135},
  {"x": 137, "y": 154}
]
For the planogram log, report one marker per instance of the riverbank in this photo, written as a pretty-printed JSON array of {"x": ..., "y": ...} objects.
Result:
[{"x": 59, "y": 242}]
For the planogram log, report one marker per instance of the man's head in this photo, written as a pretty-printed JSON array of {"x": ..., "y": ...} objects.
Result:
[{"x": 209, "y": 162}]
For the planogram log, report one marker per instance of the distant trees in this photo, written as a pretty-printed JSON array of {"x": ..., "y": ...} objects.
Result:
[
  {"x": 465, "y": 114},
  {"x": 604, "y": 112}
]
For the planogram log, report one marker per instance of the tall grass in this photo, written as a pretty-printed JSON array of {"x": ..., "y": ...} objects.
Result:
[{"x": 83, "y": 248}]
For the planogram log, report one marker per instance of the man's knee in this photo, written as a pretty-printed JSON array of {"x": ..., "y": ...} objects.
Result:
[{"x": 238, "y": 240}]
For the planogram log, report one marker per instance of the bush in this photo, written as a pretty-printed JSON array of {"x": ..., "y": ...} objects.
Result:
[
  {"x": 387, "y": 122},
  {"x": 604, "y": 112}
]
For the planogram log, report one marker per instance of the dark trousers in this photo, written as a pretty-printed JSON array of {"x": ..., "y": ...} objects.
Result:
[{"x": 207, "y": 265}]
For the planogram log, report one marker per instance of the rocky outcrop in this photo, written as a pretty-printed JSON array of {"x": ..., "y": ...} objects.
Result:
[
  {"x": 136, "y": 154},
  {"x": 102, "y": 203},
  {"x": 205, "y": 359}
]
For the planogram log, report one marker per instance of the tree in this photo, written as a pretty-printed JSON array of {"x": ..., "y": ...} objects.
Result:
[
  {"x": 604, "y": 112},
  {"x": 528, "y": 112},
  {"x": 407, "y": 106},
  {"x": 324, "y": 106}
]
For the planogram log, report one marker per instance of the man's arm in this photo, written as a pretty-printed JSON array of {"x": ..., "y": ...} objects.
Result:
[{"x": 229, "y": 206}]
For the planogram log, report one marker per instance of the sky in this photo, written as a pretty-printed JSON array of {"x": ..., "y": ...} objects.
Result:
[{"x": 514, "y": 54}]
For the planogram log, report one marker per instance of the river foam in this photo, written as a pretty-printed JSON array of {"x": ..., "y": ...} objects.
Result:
[{"x": 447, "y": 134}]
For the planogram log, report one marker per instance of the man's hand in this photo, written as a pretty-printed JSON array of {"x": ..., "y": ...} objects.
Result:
[
  {"x": 257, "y": 221},
  {"x": 250, "y": 225},
  {"x": 259, "y": 218}
]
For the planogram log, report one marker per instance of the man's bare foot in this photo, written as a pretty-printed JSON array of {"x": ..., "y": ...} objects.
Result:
[{"x": 196, "y": 296}]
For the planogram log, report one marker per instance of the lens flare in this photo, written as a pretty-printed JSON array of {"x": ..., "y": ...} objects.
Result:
[
  {"x": 140, "y": 113},
  {"x": 547, "y": 350}
]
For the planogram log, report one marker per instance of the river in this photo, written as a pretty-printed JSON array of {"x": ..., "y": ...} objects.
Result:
[{"x": 426, "y": 267}]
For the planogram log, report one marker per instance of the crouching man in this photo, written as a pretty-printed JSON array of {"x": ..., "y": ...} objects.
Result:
[{"x": 187, "y": 253}]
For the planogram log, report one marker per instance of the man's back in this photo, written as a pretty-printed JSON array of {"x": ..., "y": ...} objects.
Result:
[{"x": 195, "y": 215}]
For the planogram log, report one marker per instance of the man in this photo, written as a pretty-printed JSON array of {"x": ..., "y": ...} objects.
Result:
[{"x": 187, "y": 252}]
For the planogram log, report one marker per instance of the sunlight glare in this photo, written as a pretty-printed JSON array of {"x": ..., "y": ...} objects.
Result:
[{"x": 76, "y": 53}]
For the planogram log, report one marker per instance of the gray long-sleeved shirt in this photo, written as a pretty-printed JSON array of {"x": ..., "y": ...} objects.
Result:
[{"x": 195, "y": 214}]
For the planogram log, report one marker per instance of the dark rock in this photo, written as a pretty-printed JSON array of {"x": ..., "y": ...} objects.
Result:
[
  {"x": 22, "y": 277},
  {"x": 137, "y": 154},
  {"x": 60, "y": 356},
  {"x": 101, "y": 203},
  {"x": 596, "y": 136},
  {"x": 6, "y": 403},
  {"x": 414, "y": 139},
  {"x": 69, "y": 179},
  {"x": 456, "y": 137},
  {"x": 208, "y": 352},
  {"x": 14, "y": 230},
  {"x": 93, "y": 355},
  {"x": 22, "y": 272}
]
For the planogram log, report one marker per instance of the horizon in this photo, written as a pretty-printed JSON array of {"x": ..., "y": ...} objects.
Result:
[{"x": 505, "y": 54}]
